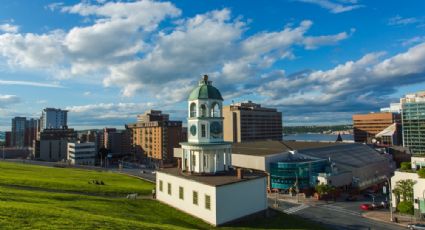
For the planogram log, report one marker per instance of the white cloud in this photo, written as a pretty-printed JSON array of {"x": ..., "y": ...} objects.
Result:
[
  {"x": 30, "y": 83},
  {"x": 401, "y": 21},
  {"x": 354, "y": 86},
  {"x": 6, "y": 100},
  {"x": 334, "y": 6},
  {"x": 412, "y": 41},
  {"x": 9, "y": 28}
]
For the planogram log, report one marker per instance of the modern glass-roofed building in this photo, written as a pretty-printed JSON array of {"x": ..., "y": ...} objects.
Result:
[
  {"x": 298, "y": 173},
  {"x": 413, "y": 121}
]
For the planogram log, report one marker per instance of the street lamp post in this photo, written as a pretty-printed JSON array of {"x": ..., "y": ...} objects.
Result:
[{"x": 390, "y": 198}]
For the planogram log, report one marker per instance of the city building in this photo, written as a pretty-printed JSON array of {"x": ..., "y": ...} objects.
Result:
[
  {"x": 154, "y": 136},
  {"x": 204, "y": 184},
  {"x": 18, "y": 131},
  {"x": 251, "y": 122},
  {"x": 82, "y": 153},
  {"x": 413, "y": 121},
  {"x": 8, "y": 139},
  {"x": 32, "y": 127},
  {"x": 52, "y": 145},
  {"x": 352, "y": 165},
  {"x": 52, "y": 118},
  {"x": 367, "y": 126},
  {"x": 418, "y": 186},
  {"x": 106, "y": 141},
  {"x": 24, "y": 131},
  {"x": 394, "y": 108}
]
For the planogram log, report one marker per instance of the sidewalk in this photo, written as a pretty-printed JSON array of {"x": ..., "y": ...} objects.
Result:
[{"x": 384, "y": 216}]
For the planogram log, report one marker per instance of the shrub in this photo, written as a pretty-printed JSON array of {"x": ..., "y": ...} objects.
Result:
[
  {"x": 421, "y": 173},
  {"x": 405, "y": 207},
  {"x": 405, "y": 166}
]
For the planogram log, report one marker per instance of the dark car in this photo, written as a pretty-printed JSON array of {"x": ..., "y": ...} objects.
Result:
[
  {"x": 416, "y": 226},
  {"x": 351, "y": 198}
]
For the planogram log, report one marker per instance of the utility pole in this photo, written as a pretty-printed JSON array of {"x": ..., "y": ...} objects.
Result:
[{"x": 390, "y": 199}]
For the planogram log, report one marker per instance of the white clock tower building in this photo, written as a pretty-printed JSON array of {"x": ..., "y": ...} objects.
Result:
[
  {"x": 205, "y": 151},
  {"x": 204, "y": 184}
]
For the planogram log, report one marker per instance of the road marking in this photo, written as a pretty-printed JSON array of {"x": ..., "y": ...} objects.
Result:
[
  {"x": 339, "y": 209},
  {"x": 295, "y": 209}
]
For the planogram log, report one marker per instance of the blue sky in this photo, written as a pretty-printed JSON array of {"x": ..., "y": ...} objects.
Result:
[{"x": 317, "y": 61}]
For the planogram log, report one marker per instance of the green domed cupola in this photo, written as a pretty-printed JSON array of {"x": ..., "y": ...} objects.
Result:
[{"x": 205, "y": 90}]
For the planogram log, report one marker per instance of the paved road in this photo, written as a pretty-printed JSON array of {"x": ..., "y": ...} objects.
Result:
[{"x": 336, "y": 215}]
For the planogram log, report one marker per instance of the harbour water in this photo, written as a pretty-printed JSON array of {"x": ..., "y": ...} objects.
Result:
[{"x": 317, "y": 137}]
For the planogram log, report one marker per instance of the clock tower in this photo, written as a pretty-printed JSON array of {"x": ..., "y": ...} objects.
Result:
[{"x": 205, "y": 151}]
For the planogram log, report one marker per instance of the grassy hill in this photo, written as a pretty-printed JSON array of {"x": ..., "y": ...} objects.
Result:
[{"x": 36, "y": 197}]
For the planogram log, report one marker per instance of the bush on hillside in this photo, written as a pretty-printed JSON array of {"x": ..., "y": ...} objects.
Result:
[
  {"x": 421, "y": 173},
  {"x": 405, "y": 166},
  {"x": 405, "y": 207}
]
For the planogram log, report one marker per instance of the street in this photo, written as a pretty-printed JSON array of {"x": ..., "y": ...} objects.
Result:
[{"x": 338, "y": 215}]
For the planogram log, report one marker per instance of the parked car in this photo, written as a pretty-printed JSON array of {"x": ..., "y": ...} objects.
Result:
[
  {"x": 351, "y": 198},
  {"x": 366, "y": 207},
  {"x": 416, "y": 226}
]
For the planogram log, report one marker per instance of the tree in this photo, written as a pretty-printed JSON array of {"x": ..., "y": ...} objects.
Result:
[
  {"x": 404, "y": 191},
  {"x": 421, "y": 173},
  {"x": 323, "y": 189},
  {"x": 405, "y": 166}
]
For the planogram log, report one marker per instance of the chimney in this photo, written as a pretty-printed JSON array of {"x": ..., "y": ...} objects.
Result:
[
  {"x": 179, "y": 163},
  {"x": 239, "y": 173}
]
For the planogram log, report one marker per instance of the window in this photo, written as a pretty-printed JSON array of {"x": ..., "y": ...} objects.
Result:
[
  {"x": 169, "y": 189},
  {"x": 181, "y": 193},
  {"x": 193, "y": 110},
  {"x": 195, "y": 197},
  {"x": 203, "y": 111},
  {"x": 203, "y": 131},
  {"x": 160, "y": 185},
  {"x": 215, "y": 110},
  {"x": 207, "y": 202}
]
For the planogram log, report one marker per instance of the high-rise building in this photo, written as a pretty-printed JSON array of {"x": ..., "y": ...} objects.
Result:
[
  {"x": 413, "y": 121},
  {"x": 18, "y": 131},
  {"x": 8, "y": 139},
  {"x": 52, "y": 118},
  {"x": 154, "y": 136},
  {"x": 367, "y": 126},
  {"x": 32, "y": 127},
  {"x": 106, "y": 141},
  {"x": 53, "y": 143},
  {"x": 394, "y": 108},
  {"x": 251, "y": 122}
]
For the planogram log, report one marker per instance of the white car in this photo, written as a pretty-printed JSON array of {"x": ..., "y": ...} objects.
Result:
[{"x": 416, "y": 226}]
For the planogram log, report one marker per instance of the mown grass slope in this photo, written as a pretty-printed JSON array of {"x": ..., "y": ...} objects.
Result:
[{"x": 44, "y": 203}]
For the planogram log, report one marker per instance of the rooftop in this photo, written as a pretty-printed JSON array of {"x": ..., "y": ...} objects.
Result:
[
  {"x": 217, "y": 180},
  {"x": 264, "y": 148}
]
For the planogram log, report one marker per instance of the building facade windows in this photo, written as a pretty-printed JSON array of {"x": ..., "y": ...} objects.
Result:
[
  {"x": 181, "y": 193},
  {"x": 195, "y": 197},
  {"x": 203, "y": 131},
  {"x": 160, "y": 185},
  {"x": 169, "y": 189},
  {"x": 208, "y": 202}
]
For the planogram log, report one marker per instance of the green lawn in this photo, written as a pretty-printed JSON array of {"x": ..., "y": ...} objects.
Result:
[
  {"x": 73, "y": 180},
  {"x": 57, "y": 209}
]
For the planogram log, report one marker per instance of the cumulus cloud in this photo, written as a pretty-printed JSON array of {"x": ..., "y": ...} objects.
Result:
[
  {"x": 6, "y": 100},
  {"x": 355, "y": 86},
  {"x": 335, "y": 7},
  {"x": 9, "y": 28}
]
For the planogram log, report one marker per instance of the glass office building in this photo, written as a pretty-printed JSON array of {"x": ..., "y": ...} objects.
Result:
[
  {"x": 413, "y": 121},
  {"x": 293, "y": 173}
]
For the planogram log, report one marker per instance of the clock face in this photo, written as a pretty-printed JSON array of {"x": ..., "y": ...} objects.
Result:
[
  {"x": 215, "y": 129},
  {"x": 193, "y": 130}
]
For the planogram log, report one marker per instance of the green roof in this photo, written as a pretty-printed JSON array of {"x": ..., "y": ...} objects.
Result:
[{"x": 205, "y": 91}]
